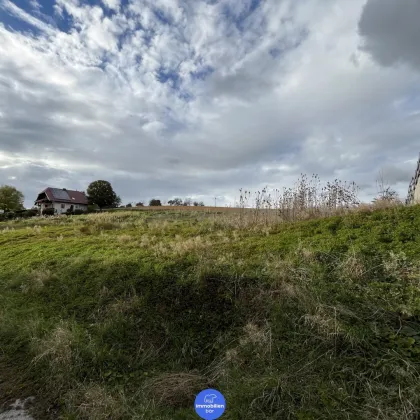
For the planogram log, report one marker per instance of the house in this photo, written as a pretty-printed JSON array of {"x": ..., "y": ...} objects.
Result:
[
  {"x": 414, "y": 189},
  {"x": 61, "y": 200}
]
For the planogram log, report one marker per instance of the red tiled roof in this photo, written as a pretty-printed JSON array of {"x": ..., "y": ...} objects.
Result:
[
  {"x": 65, "y": 196},
  {"x": 77, "y": 197}
]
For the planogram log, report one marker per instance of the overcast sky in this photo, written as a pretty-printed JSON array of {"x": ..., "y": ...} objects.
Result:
[{"x": 199, "y": 98}]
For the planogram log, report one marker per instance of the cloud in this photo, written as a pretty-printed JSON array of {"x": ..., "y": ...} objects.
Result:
[
  {"x": 200, "y": 98},
  {"x": 391, "y": 31},
  {"x": 112, "y": 4}
]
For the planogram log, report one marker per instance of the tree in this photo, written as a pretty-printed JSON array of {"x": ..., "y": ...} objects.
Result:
[
  {"x": 101, "y": 193},
  {"x": 154, "y": 202},
  {"x": 385, "y": 191},
  {"x": 175, "y": 202},
  {"x": 198, "y": 204},
  {"x": 187, "y": 202},
  {"x": 139, "y": 204},
  {"x": 129, "y": 205},
  {"x": 10, "y": 198}
]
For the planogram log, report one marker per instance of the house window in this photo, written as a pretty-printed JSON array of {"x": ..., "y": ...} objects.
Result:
[{"x": 63, "y": 206}]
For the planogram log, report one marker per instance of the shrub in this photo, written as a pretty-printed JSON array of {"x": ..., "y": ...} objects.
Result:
[
  {"x": 48, "y": 212},
  {"x": 79, "y": 212},
  {"x": 29, "y": 213},
  {"x": 139, "y": 204},
  {"x": 154, "y": 202},
  {"x": 93, "y": 208}
]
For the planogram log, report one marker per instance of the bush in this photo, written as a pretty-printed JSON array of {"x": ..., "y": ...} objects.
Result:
[
  {"x": 139, "y": 204},
  {"x": 92, "y": 208},
  {"x": 79, "y": 212},
  {"x": 129, "y": 205},
  {"x": 155, "y": 202},
  {"x": 48, "y": 212},
  {"x": 29, "y": 213}
]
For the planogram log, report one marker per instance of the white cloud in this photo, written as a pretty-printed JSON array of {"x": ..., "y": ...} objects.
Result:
[
  {"x": 192, "y": 98},
  {"x": 112, "y": 4}
]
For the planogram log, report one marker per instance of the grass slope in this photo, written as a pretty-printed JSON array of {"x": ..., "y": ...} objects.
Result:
[{"x": 131, "y": 314}]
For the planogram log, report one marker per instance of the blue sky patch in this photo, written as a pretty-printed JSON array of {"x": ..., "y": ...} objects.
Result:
[
  {"x": 162, "y": 17},
  {"x": 239, "y": 21},
  {"x": 169, "y": 76},
  {"x": 203, "y": 73}
]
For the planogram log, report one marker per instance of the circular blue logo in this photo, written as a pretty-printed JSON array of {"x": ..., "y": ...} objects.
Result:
[{"x": 210, "y": 404}]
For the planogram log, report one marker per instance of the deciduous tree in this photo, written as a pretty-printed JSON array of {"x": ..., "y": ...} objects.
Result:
[
  {"x": 155, "y": 202},
  {"x": 101, "y": 193},
  {"x": 11, "y": 199}
]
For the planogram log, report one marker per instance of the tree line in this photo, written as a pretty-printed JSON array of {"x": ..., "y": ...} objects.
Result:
[
  {"x": 154, "y": 202},
  {"x": 101, "y": 193}
]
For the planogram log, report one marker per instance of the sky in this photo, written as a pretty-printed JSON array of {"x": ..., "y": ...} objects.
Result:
[{"x": 199, "y": 98}]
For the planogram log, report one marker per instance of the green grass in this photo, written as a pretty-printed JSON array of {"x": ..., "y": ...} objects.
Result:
[{"x": 131, "y": 314}]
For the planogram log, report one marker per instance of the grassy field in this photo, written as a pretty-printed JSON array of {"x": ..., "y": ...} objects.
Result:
[{"x": 130, "y": 314}]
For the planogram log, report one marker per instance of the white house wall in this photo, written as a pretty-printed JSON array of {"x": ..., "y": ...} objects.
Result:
[
  {"x": 58, "y": 209},
  {"x": 66, "y": 206}
]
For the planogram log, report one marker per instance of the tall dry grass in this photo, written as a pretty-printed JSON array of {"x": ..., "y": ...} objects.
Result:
[{"x": 309, "y": 198}]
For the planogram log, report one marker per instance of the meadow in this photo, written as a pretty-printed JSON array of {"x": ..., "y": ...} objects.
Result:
[{"x": 129, "y": 314}]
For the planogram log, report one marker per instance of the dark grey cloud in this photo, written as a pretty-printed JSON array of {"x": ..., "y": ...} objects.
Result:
[{"x": 391, "y": 31}]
